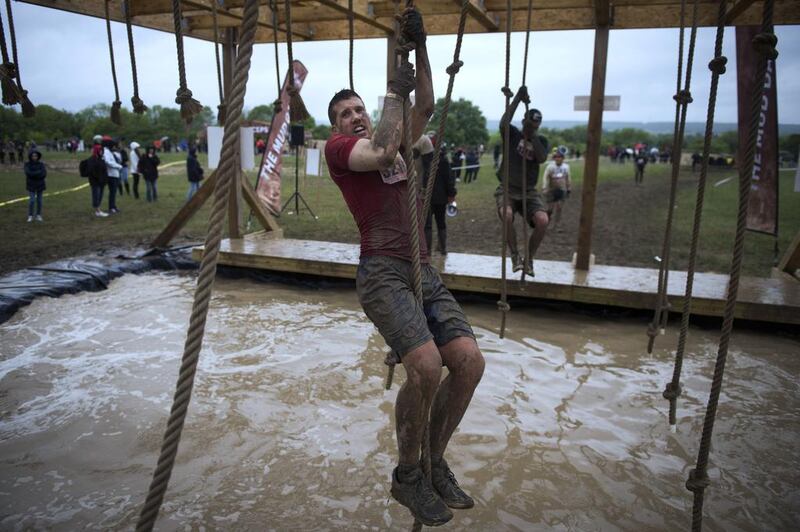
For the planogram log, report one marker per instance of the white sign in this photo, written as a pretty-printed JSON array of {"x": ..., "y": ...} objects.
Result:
[
  {"x": 312, "y": 161},
  {"x": 610, "y": 103},
  {"x": 246, "y": 147}
]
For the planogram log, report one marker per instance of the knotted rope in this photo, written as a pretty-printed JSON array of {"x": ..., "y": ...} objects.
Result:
[
  {"x": 277, "y": 105},
  {"x": 682, "y": 100},
  {"x": 698, "y": 478},
  {"x": 117, "y": 104},
  {"x": 351, "y": 30},
  {"x": 208, "y": 267},
  {"x": 452, "y": 70},
  {"x": 183, "y": 97},
  {"x": 138, "y": 105},
  {"x": 297, "y": 109},
  {"x": 503, "y": 305},
  {"x": 717, "y": 67},
  {"x": 221, "y": 110},
  {"x": 13, "y": 93}
]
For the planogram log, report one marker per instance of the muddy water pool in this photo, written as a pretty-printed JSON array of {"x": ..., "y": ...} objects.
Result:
[{"x": 289, "y": 427}]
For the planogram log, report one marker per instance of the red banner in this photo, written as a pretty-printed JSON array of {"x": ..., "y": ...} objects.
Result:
[
  {"x": 762, "y": 208},
  {"x": 269, "y": 173}
]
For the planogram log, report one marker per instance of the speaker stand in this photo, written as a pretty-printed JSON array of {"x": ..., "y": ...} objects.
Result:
[{"x": 296, "y": 196}]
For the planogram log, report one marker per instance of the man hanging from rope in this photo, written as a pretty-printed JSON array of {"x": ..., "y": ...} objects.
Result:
[
  {"x": 533, "y": 147},
  {"x": 371, "y": 174}
]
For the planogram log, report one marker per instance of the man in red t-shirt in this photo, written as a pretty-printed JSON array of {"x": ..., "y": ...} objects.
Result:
[{"x": 366, "y": 166}]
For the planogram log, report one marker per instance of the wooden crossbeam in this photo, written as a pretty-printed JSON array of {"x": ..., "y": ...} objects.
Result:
[
  {"x": 478, "y": 12},
  {"x": 737, "y": 9},
  {"x": 358, "y": 15}
]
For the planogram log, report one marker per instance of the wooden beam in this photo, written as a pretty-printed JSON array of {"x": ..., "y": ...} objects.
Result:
[
  {"x": 185, "y": 213},
  {"x": 266, "y": 220},
  {"x": 790, "y": 262},
  {"x": 478, "y": 12},
  {"x": 737, "y": 9},
  {"x": 357, "y": 15},
  {"x": 594, "y": 134}
]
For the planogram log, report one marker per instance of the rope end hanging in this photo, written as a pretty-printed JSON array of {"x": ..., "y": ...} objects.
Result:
[
  {"x": 189, "y": 106},
  {"x": 28, "y": 109},
  {"x": 138, "y": 105},
  {"x": 9, "y": 86},
  {"x": 297, "y": 108},
  {"x": 116, "y": 115},
  {"x": 391, "y": 360},
  {"x": 222, "y": 113}
]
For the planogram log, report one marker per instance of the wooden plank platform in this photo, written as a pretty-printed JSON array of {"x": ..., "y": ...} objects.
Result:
[{"x": 775, "y": 300}]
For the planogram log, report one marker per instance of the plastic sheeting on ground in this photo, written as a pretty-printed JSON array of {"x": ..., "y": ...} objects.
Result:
[{"x": 92, "y": 273}]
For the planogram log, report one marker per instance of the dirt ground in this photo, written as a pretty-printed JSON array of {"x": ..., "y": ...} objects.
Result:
[{"x": 630, "y": 237}]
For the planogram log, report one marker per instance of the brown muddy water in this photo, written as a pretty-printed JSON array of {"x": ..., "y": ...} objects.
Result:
[{"x": 290, "y": 429}]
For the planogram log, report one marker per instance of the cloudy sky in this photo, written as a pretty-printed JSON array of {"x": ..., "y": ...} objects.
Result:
[{"x": 64, "y": 62}]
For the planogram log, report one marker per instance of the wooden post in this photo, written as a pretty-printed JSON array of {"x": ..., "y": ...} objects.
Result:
[
  {"x": 234, "y": 202},
  {"x": 594, "y": 134}
]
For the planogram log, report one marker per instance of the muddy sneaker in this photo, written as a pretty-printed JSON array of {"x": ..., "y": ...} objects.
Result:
[
  {"x": 445, "y": 483},
  {"x": 516, "y": 262},
  {"x": 529, "y": 268},
  {"x": 416, "y": 494}
]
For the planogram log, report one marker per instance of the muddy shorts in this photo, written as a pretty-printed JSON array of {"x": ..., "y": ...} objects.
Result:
[
  {"x": 534, "y": 203},
  {"x": 386, "y": 294}
]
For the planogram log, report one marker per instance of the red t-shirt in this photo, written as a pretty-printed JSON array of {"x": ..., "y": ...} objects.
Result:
[{"x": 377, "y": 200}]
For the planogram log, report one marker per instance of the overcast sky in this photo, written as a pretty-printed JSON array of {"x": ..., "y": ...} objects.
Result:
[{"x": 65, "y": 63}]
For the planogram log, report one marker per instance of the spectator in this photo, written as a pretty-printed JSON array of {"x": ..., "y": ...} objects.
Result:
[
  {"x": 473, "y": 160},
  {"x": 557, "y": 186},
  {"x": 496, "y": 155},
  {"x": 641, "y": 162},
  {"x": 97, "y": 179},
  {"x": 113, "y": 167},
  {"x": 444, "y": 192},
  {"x": 134, "y": 166},
  {"x": 194, "y": 173},
  {"x": 35, "y": 174},
  {"x": 457, "y": 161},
  {"x": 123, "y": 172},
  {"x": 148, "y": 167}
]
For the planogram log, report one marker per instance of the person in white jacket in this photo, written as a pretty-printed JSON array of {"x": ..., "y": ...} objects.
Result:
[
  {"x": 134, "y": 167},
  {"x": 113, "y": 166}
]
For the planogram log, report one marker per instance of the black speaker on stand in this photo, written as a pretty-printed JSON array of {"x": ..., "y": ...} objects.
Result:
[{"x": 297, "y": 138}]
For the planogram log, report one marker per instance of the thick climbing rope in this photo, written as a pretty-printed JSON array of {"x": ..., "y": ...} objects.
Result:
[
  {"x": 351, "y": 30},
  {"x": 138, "y": 105},
  {"x": 506, "y": 90},
  {"x": 277, "y": 104},
  {"x": 208, "y": 268},
  {"x": 12, "y": 70},
  {"x": 451, "y": 70},
  {"x": 525, "y": 243},
  {"x": 717, "y": 67},
  {"x": 9, "y": 70},
  {"x": 183, "y": 97},
  {"x": 117, "y": 104},
  {"x": 683, "y": 97},
  {"x": 221, "y": 107},
  {"x": 297, "y": 109},
  {"x": 764, "y": 44}
]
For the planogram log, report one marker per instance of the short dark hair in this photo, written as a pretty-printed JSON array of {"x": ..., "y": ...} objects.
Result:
[
  {"x": 344, "y": 94},
  {"x": 533, "y": 113}
]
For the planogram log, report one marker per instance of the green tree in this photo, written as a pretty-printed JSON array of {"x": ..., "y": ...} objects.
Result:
[
  {"x": 261, "y": 112},
  {"x": 321, "y": 132},
  {"x": 466, "y": 125}
]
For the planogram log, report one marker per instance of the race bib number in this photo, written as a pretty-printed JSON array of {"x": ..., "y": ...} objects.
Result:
[{"x": 397, "y": 172}]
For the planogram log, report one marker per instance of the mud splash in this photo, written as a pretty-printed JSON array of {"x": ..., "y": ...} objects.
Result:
[{"x": 289, "y": 427}]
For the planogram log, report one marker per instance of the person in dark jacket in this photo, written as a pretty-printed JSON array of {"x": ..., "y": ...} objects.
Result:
[
  {"x": 35, "y": 174},
  {"x": 194, "y": 172},
  {"x": 148, "y": 167},
  {"x": 98, "y": 178},
  {"x": 444, "y": 192}
]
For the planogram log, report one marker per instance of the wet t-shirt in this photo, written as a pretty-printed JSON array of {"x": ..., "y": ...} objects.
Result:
[
  {"x": 519, "y": 149},
  {"x": 377, "y": 200}
]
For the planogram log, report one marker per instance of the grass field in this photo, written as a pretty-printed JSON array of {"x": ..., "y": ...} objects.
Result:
[{"x": 622, "y": 209}]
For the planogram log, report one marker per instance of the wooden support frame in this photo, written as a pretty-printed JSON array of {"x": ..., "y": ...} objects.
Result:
[
  {"x": 790, "y": 262},
  {"x": 594, "y": 135},
  {"x": 357, "y": 15},
  {"x": 737, "y": 9},
  {"x": 478, "y": 12}
]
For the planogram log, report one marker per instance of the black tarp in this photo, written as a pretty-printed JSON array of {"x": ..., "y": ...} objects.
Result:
[{"x": 87, "y": 273}]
